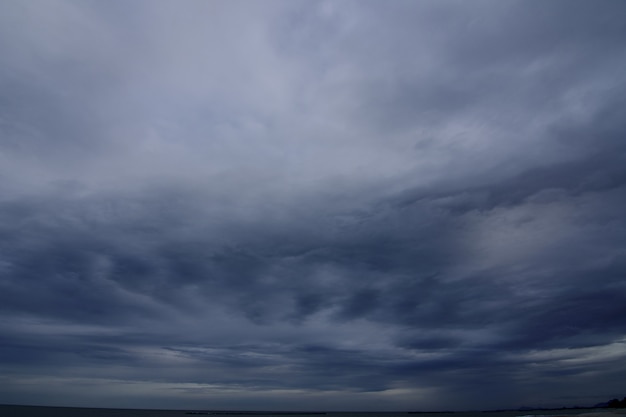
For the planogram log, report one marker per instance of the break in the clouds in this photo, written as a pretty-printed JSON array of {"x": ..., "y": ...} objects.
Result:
[{"x": 312, "y": 204}]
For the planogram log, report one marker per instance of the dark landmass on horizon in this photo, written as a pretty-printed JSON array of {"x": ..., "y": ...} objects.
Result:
[{"x": 609, "y": 405}]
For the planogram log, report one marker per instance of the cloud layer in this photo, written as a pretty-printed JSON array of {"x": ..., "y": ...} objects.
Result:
[{"x": 282, "y": 204}]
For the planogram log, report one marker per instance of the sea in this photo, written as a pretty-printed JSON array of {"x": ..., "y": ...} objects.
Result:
[{"x": 39, "y": 411}]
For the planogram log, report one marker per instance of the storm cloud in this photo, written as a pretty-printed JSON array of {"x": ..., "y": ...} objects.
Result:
[{"x": 293, "y": 205}]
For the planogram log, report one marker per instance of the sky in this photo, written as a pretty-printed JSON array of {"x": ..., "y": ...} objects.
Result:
[{"x": 305, "y": 205}]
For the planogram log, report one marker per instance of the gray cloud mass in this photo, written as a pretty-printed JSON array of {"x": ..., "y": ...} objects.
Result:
[{"x": 286, "y": 204}]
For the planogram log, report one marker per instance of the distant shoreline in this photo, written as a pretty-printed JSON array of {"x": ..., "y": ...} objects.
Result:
[
  {"x": 257, "y": 413},
  {"x": 15, "y": 410}
]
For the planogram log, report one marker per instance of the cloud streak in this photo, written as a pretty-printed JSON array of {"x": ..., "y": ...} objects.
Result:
[{"x": 415, "y": 205}]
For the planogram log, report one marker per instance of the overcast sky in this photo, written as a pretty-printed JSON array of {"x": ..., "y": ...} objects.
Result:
[{"x": 340, "y": 205}]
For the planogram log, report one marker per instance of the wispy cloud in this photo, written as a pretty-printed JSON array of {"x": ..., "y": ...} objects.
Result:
[{"x": 272, "y": 204}]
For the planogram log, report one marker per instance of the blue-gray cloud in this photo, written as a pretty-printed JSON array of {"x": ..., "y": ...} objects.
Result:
[{"x": 237, "y": 205}]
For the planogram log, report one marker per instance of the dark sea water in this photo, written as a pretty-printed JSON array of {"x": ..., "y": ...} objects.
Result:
[{"x": 33, "y": 411}]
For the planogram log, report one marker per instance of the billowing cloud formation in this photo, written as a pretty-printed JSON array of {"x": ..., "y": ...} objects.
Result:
[{"x": 288, "y": 204}]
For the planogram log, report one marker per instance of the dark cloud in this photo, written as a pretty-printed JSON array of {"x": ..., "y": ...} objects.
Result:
[{"x": 383, "y": 206}]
